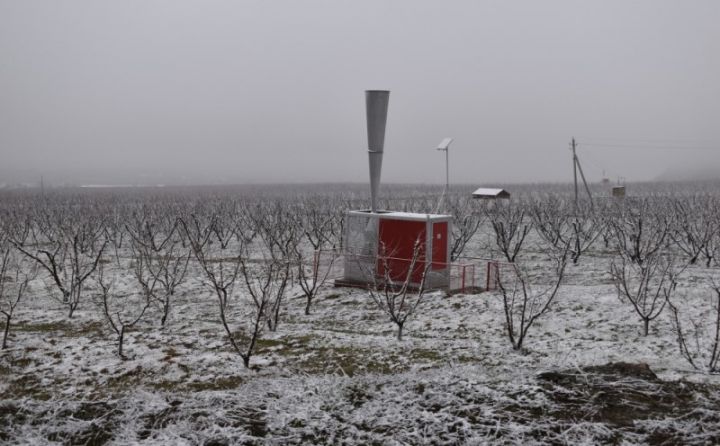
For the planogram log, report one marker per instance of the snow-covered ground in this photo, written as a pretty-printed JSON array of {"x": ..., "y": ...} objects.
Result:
[{"x": 339, "y": 376}]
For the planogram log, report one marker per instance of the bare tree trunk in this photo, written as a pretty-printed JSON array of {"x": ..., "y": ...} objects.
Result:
[
  {"x": 72, "y": 305},
  {"x": 165, "y": 311},
  {"x": 121, "y": 338},
  {"x": 6, "y": 331}
]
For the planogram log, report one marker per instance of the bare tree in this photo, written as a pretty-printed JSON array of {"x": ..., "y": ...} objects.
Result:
[
  {"x": 165, "y": 266},
  {"x": 315, "y": 220},
  {"x": 467, "y": 219},
  {"x": 556, "y": 222},
  {"x": 277, "y": 229},
  {"x": 151, "y": 227},
  {"x": 76, "y": 247},
  {"x": 115, "y": 232},
  {"x": 647, "y": 286},
  {"x": 17, "y": 228},
  {"x": 169, "y": 269},
  {"x": 316, "y": 223},
  {"x": 266, "y": 282},
  {"x": 393, "y": 291},
  {"x": 586, "y": 228},
  {"x": 511, "y": 227},
  {"x": 121, "y": 310},
  {"x": 522, "y": 304},
  {"x": 551, "y": 221},
  {"x": 15, "y": 277},
  {"x": 694, "y": 226},
  {"x": 712, "y": 244},
  {"x": 312, "y": 277},
  {"x": 221, "y": 273},
  {"x": 700, "y": 344},
  {"x": 224, "y": 228},
  {"x": 639, "y": 230}
]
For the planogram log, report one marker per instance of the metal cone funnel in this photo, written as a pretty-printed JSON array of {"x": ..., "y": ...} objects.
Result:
[{"x": 376, "y": 105}]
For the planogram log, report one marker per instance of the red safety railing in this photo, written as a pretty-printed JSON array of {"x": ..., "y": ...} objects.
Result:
[{"x": 466, "y": 275}]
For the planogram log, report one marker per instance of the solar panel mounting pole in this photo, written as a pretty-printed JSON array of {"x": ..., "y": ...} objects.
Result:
[{"x": 444, "y": 146}]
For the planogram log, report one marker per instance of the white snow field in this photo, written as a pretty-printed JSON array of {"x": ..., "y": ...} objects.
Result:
[{"x": 340, "y": 376}]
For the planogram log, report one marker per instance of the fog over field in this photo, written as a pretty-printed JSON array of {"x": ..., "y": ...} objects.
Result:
[{"x": 253, "y": 91}]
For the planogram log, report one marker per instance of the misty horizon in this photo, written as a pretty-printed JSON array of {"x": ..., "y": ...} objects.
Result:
[{"x": 258, "y": 92}]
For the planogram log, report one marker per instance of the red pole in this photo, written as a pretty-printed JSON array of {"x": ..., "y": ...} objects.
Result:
[
  {"x": 487, "y": 278},
  {"x": 316, "y": 262}
]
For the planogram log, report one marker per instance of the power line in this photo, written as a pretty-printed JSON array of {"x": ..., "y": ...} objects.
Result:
[
  {"x": 653, "y": 147},
  {"x": 601, "y": 165},
  {"x": 605, "y": 139}
]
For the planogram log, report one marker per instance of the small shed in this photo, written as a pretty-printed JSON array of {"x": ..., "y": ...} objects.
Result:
[
  {"x": 618, "y": 191},
  {"x": 490, "y": 193}
]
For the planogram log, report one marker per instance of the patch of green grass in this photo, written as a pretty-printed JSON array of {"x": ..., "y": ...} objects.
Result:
[
  {"x": 421, "y": 354},
  {"x": 21, "y": 362},
  {"x": 170, "y": 353},
  {"x": 286, "y": 346},
  {"x": 26, "y": 386},
  {"x": 466, "y": 359},
  {"x": 353, "y": 361},
  {"x": 349, "y": 361},
  {"x": 127, "y": 380},
  {"x": 67, "y": 327},
  {"x": 263, "y": 344},
  {"x": 43, "y": 327},
  {"x": 166, "y": 386},
  {"x": 307, "y": 354},
  {"x": 223, "y": 383}
]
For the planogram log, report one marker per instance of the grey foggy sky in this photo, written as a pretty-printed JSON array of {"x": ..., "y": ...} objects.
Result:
[{"x": 272, "y": 91}]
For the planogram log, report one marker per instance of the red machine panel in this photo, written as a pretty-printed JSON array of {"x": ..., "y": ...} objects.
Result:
[
  {"x": 397, "y": 242},
  {"x": 439, "y": 246}
]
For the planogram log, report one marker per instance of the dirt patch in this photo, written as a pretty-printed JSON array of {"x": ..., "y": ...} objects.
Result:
[{"x": 624, "y": 395}]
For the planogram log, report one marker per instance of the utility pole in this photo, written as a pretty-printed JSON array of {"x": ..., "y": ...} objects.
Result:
[
  {"x": 576, "y": 167},
  {"x": 574, "y": 157}
]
